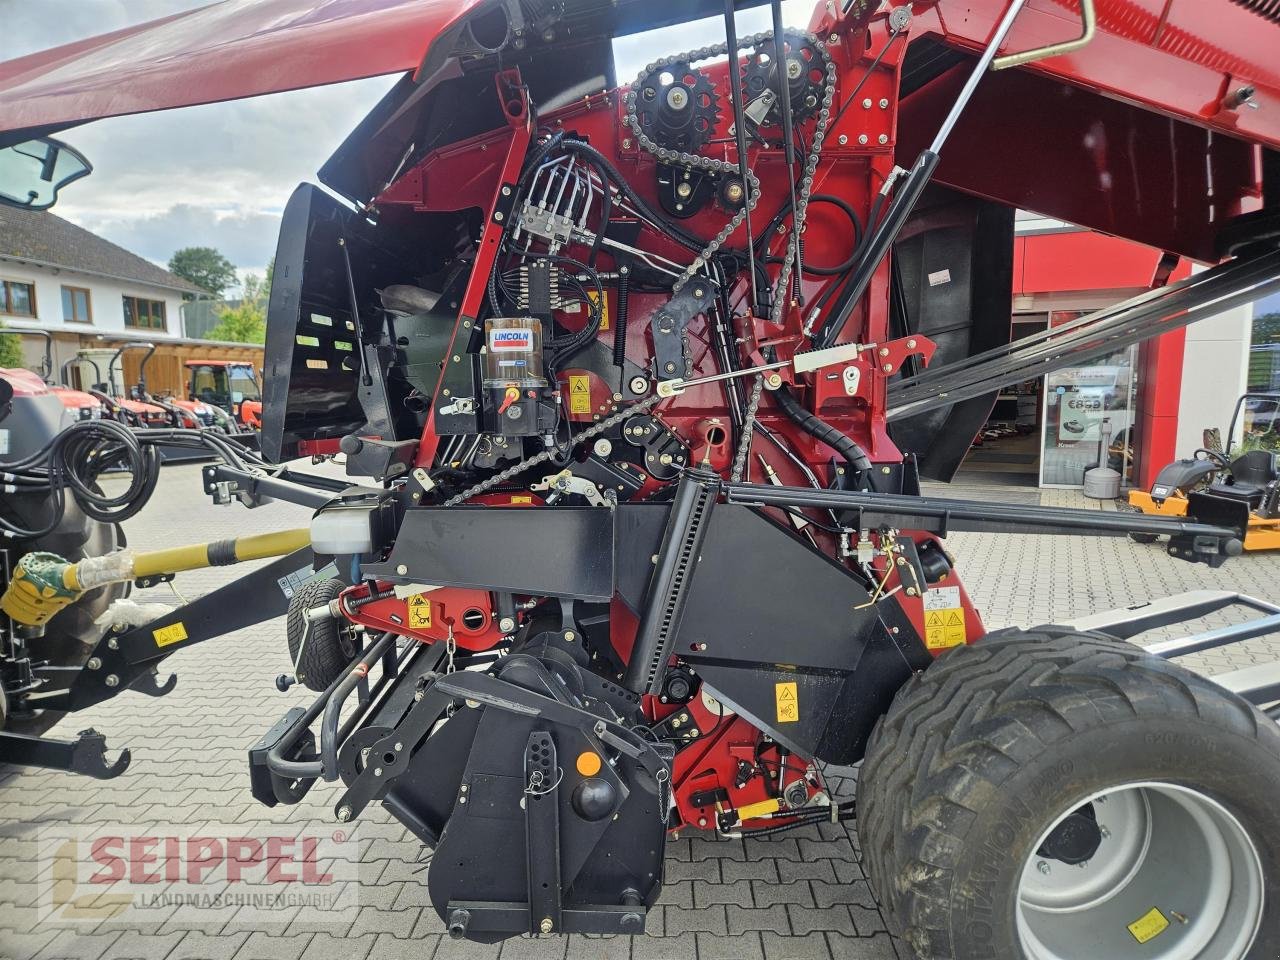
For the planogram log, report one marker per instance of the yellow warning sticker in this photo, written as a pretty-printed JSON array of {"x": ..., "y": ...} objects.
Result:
[
  {"x": 579, "y": 393},
  {"x": 174, "y": 633},
  {"x": 419, "y": 612},
  {"x": 944, "y": 629},
  {"x": 594, "y": 297},
  {"x": 521, "y": 498},
  {"x": 787, "y": 702},
  {"x": 1149, "y": 926}
]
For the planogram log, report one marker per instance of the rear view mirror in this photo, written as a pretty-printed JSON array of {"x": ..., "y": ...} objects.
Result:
[{"x": 32, "y": 172}]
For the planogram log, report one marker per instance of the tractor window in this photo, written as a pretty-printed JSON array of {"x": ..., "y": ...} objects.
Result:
[
  {"x": 244, "y": 386},
  {"x": 206, "y": 385}
]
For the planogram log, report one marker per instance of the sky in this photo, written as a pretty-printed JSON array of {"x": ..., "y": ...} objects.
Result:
[{"x": 219, "y": 175}]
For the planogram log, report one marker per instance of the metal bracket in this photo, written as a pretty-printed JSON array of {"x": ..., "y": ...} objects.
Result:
[
  {"x": 1089, "y": 23},
  {"x": 85, "y": 755}
]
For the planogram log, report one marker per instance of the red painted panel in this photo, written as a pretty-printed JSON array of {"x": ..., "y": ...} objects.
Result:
[
  {"x": 1058, "y": 262},
  {"x": 224, "y": 51}
]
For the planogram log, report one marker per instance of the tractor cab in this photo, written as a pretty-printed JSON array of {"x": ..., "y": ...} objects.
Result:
[{"x": 229, "y": 384}]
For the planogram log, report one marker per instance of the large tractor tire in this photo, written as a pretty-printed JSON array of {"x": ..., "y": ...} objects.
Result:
[{"x": 1053, "y": 795}]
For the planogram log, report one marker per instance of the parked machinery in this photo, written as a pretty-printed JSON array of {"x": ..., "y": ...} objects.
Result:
[{"x": 638, "y": 384}]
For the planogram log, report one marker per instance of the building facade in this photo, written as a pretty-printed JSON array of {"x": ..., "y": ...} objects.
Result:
[{"x": 94, "y": 298}]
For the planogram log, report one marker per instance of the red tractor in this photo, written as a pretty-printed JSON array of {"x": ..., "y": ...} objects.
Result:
[
  {"x": 229, "y": 385},
  {"x": 638, "y": 383}
]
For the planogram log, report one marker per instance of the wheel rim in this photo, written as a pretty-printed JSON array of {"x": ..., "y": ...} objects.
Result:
[{"x": 1174, "y": 875}]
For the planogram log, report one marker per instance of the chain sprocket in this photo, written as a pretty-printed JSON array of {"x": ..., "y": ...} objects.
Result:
[
  {"x": 806, "y": 77},
  {"x": 677, "y": 106}
]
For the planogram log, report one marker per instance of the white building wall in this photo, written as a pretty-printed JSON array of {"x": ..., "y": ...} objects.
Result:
[
  {"x": 1215, "y": 371},
  {"x": 106, "y": 299}
]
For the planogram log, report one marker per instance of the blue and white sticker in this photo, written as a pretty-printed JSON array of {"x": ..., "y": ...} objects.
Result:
[{"x": 502, "y": 341}]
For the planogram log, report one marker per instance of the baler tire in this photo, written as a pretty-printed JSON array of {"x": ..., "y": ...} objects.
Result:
[
  {"x": 994, "y": 745},
  {"x": 329, "y": 647}
]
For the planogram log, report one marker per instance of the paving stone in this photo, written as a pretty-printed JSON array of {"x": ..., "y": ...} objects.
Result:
[
  {"x": 705, "y": 920},
  {"x": 790, "y": 872},
  {"x": 733, "y": 870},
  {"x": 683, "y": 947},
  {"x": 767, "y": 894},
  {"x": 398, "y": 923},
  {"x": 707, "y": 894},
  {"x": 201, "y": 946},
  {"x": 582, "y": 947},
  {"x": 743, "y": 919},
  {"x": 743, "y": 947},
  {"x": 879, "y": 947},
  {"x": 23, "y": 945},
  {"x": 261, "y": 946},
  {"x": 132, "y": 945},
  {"x": 810, "y": 920},
  {"x": 387, "y": 947},
  {"x": 703, "y": 870},
  {"x": 324, "y": 946},
  {"x": 74, "y": 945},
  {"x": 812, "y": 946},
  {"x": 533, "y": 948}
]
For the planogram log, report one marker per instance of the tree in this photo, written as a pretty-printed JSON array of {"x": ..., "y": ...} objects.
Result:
[
  {"x": 1266, "y": 329},
  {"x": 11, "y": 355},
  {"x": 247, "y": 322},
  {"x": 205, "y": 267}
]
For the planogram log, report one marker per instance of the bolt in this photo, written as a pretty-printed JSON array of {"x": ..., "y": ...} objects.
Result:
[
  {"x": 570, "y": 636},
  {"x": 884, "y": 351},
  {"x": 862, "y": 139},
  {"x": 866, "y": 104},
  {"x": 402, "y": 570},
  {"x": 113, "y": 644},
  {"x": 506, "y": 191},
  {"x": 344, "y": 813},
  {"x": 698, "y": 293},
  {"x": 1043, "y": 867},
  {"x": 702, "y": 821},
  {"x": 883, "y": 138},
  {"x": 94, "y": 663},
  {"x": 377, "y": 771},
  {"x": 773, "y": 380},
  {"x": 887, "y": 368},
  {"x": 834, "y": 38},
  {"x": 684, "y": 190},
  {"x": 113, "y": 680},
  {"x": 546, "y": 926},
  {"x": 734, "y": 192},
  {"x": 842, "y": 139},
  {"x": 419, "y": 695},
  {"x": 638, "y": 385},
  {"x": 665, "y": 459},
  {"x": 884, "y": 103},
  {"x": 506, "y": 624},
  {"x": 497, "y": 215},
  {"x": 1106, "y": 834},
  {"x": 794, "y": 69}
]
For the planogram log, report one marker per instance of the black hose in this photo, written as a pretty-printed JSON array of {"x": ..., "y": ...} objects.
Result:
[{"x": 819, "y": 429}]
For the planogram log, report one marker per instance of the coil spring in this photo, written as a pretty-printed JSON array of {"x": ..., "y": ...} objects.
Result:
[{"x": 620, "y": 318}]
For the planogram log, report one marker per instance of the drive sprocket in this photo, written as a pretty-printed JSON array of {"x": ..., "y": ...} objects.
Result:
[
  {"x": 806, "y": 78},
  {"x": 677, "y": 107}
]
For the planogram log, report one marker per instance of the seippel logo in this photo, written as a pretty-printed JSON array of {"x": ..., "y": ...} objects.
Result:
[{"x": 105, "y": 874}]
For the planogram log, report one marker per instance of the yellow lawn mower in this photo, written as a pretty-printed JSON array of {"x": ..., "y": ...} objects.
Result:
[{"x": 1242, "y": 490}]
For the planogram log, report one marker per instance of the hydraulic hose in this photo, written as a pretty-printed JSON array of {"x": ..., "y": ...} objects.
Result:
[{"x": 819, "y": 429}]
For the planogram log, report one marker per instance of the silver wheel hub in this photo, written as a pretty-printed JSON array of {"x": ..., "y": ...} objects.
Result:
[{"x": 1174, "y": 877}]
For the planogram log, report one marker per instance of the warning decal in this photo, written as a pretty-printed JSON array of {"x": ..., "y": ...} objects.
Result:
[
  {"x": 944, "y": 625},
  {"x": 579, "y": 393},
  {"x": 174, "y": 633},
  {"x": 787, "y": 702},
  {"x": 419, "y": 612},
  {"x": 594, "y": 297},
  {"x": 1149, "y": 926}
]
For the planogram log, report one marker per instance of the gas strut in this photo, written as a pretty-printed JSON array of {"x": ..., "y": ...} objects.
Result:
[{"x": 908, "y": 193}]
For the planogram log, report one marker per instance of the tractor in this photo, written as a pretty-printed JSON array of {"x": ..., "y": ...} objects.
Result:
[
  {"x": 1247, "y": 484},
  {"x": 635, "y": 382}
]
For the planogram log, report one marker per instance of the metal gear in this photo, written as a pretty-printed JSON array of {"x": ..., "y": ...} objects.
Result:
[
  {"x": 806, "y": 78},
  {"x": 677, "y": 106}
]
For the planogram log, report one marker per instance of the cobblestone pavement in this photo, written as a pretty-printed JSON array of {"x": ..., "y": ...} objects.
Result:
[{"x": 798, "y": 896}]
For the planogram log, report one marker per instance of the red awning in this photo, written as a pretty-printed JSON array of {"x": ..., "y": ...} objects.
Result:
[{"x": 224, "y": 51}]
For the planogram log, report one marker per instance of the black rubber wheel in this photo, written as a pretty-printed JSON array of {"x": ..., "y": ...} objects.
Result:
[
  {"x": 987, "y": 789},
  {"x": 1143, "y": 537},
  {"x": 330, "y": 647}
]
